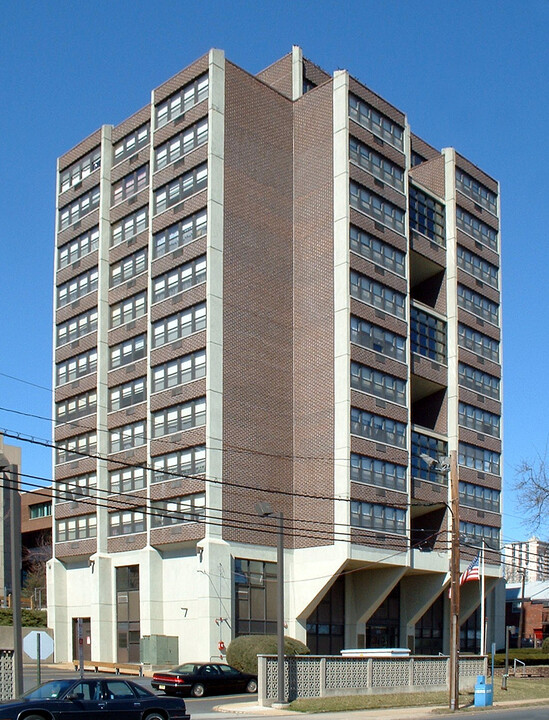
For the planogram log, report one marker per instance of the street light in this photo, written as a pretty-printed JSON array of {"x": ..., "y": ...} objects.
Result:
[
  {"x": 449, "y": 465},
  {"x": 264, "y": 509}
]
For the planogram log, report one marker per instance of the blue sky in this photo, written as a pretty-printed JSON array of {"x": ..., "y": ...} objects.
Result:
[{"x": 468, "y": 74}]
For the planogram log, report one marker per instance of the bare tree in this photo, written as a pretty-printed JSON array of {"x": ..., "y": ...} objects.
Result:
[
  {"x": 34, "y": 564},
  {"x": 532, "y": 487}
]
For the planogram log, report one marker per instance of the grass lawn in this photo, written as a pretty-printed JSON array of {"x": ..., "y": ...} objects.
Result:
[{"x": 518, "y": 689}]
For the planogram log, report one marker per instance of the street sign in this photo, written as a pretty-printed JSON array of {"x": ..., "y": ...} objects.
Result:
[{"x": 30, "y": 645}]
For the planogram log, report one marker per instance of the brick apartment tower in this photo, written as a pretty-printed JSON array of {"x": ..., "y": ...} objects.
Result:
[{"x": 269, "y": 289}]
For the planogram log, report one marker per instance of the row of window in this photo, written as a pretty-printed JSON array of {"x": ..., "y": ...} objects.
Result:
[
  {"x": 379, "y": 252},
  {"x": 376, "y": 207},
  {"x": 76, "y": 447},
  {"x": 379, "y": 166},
  {"x": 433, "y": 447},
  {"x": 478, "y": 458},
  {"x": 77, "y": 287},
  {"x": 427, "y": 216},
  {"x": 180, "y": 234},
  {"x": 478, "y": 496},
  {"x": 127, "y": 310},
  {"x": 78, "y": 528},
  {"x": 474, "y": 534},
  {"x": 427, "y": 335},
  {"x": 179, "y": 417},
  {"x": 180, "y": 279},
  {"x": 378, "y": 517},
  {"x": 183, "y": 143},
  {"x": 380, "y": 296},
  {"x": 377, "y": 339},
  {"x": 130, "y": 226},
  {"x": 131, "y": 143},
  {"x": 77, "y": 487},
  {"x": 478, "y": 343},
  {"x": 377, "y": 383},
  {"x": 378, "y": 428},
  {"x": 77, "y": 327},
  {"x": 182, "y": 101},
  {"x": 130, "y": 184},
  {"x": 181, "y": 188},
  {"x": 76, "y": 210},
  {"x": 179, "y": 325},
  {"x": 127, "y": 437},
  {"x": 127, "y": 352},
  {"x": 477, "y": 266},
  {"x": 128, "y": 268},
  {"x": 190, "y": 461},
  {"x": 379, "y": 124},
  {"x": 76, "y": 367},
  {"x": 76, "y": 407},
  {"x": 477, "y": 304},
  {"x": 479, "y": 381},
  {"x": 478, "y": 419},
  {"x": 477, "y": 229},
  {"x": 377, "y": 472},
  {"x": 476, "y": 191},
  {"x": 79, "y": 170},
  {"x": 131, "y": 393},
  {"x": 179, "y": 371},
  {"x": 78, "y": 248}
]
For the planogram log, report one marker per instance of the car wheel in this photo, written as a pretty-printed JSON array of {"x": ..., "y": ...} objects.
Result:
[
  {"x": 34, "y": 717},
  {"x": 251, "y": 687},
  {"x": 155, "y": 715},
  {"x": 197, "y": 690}
]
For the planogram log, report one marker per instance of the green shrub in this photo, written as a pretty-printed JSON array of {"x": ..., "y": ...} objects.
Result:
[
  {"x": 243, "y": 651},
  {"x": 29, "y": 618},
  {"x": 545, "y": 645}
]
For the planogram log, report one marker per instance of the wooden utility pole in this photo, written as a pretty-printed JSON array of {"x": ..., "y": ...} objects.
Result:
[{"x": 454, "y": 585}]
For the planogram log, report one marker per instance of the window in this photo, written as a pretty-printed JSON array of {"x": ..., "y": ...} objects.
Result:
[
  {"x": 184, "y": 463},
  {"x": 76, "y": 407},
  {"x": 180, "y": 234},
  {"x": 77, "y": 287},
  {"x": 477, "y": 229},
  {"x": 175, "y": 511},
  {"x": 126, "y": 522},
  {"x": 128, "y": 310},
  {"x": 379, "y": 252},
  {"x": 79, "y": 170},
  {"x": 180, "y": 325},
  {"x": 478, "y": 458},
  {"x": 377, "y": 339},
  {"x": 179, "y": 417},
  {"x": 255, "y": 597},
  {"x": 77, "y": 487},
  {"x": 428, "y": 445},
  {"x": 179, "y": 371},
  {"x": 77, "y": 327},
  {"x": 478, "y": 343},
  {"x": 417, "y": 159},
  {"x": 377, "y": 472},
  {"x": 475, "y": 265},
  {"x": 427, "y": 216},
  {"x": 128, "y": 352},
  {"x": 476, "y": 191},
  {"x": 130, "y": 226},
  {"x": 427, "y": 335},
  {"x": 127, "y": 479},
  {"x": 373, "y": 120},
  {"x": 127, "y": 395},
  {"x": 378, "y": 517},
  {"x": 130, "y": 184},
  {"x": 131, "y": 143},
  {"x": 77, "y": 367},
  {"x": 128, "y": 268},
  {"x": 477, "y": 304},
  {"x": 40, "y": 510},
  {"x": 377, "y": 428},
  {"x": 127, "y": 437},
  {"x": 474, "y": 534},
  {"x": 376, "y": 294},
  {"x": 77, "y": 447},
  {"x": 479, "y": 381},
  {"x": 181, "y": 101},
  {"x": 180, "y": 279},
  {"x": 70, "y": 214},
  {"x": 376, "y": 164},
  {"x": 178, "y": 146},
  {"x": 180, "y": 188},
  {"x": 478, "y": 496},
  {"x": 477, "y": 419},
  {"x": 78, "y": 248},
  {"x": 376, "y": 207},
  {"x": 377, "y": 383},
  {"x": 76, "y": 528}
]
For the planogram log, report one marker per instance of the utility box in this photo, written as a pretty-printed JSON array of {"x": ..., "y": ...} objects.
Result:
[
  {"x": 484, "y": 693},
  {"x": 160, "y": 650}
]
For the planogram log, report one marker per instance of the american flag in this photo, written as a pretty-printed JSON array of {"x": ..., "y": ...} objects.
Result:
[{"x": 472, "y": 572}]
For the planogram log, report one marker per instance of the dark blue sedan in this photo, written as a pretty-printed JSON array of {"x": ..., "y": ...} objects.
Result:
[{"x": 89, "y": 699}]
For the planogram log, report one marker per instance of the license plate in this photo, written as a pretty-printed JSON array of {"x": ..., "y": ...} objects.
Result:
[{"x": 161, "y": 687}]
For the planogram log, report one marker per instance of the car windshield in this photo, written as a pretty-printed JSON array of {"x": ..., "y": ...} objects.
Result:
[
  {"x": 49, "y": 690},
  {"x": 187, "y": 668}
]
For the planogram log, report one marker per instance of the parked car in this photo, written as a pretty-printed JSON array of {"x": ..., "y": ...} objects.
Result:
[
  {"x": 199, "y": 678},
  {"x": 87, "y": 699}
]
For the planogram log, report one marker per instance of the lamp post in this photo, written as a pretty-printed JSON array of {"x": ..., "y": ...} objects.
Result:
[
  {"x": 450, "y": 465},
  {"x": 264, "y": 509}
]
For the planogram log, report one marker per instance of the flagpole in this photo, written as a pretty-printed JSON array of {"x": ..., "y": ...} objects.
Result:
[{"x": 482, "y": 608}]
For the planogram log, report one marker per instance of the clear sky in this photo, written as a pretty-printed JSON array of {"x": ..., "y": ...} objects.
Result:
[{"x": 472, "y": 75}]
